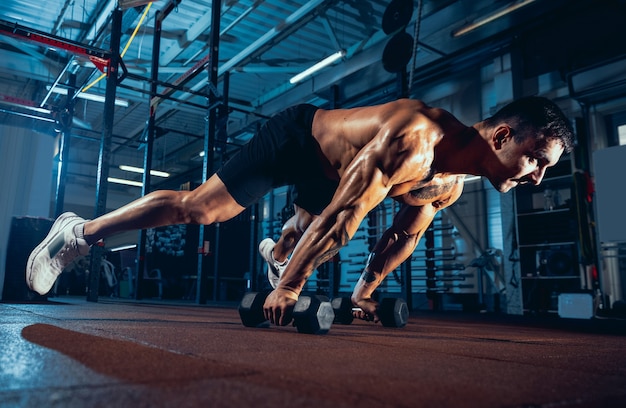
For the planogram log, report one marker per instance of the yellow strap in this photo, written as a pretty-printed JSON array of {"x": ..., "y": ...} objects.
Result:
[{"x": 130, "y": 40}]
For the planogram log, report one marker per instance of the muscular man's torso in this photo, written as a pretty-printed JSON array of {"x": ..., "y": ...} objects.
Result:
[{"x": 403, "y": 134}]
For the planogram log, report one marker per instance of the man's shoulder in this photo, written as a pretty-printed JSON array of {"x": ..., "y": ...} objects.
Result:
[
  {"x": 416, "y": 110},
  {"x": 396, "y": 109}
]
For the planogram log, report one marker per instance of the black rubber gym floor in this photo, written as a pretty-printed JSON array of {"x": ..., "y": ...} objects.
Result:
[{"x": 71, "y": 353}]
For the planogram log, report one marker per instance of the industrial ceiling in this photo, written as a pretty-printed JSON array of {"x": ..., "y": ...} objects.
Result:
[{"x": 262, "y": 45}]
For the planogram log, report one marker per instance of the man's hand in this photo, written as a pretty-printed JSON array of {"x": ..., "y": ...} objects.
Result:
[
  {"x": 279, "y": 304},
  {"x": 362, "y": 297},
  {"x": 368, "y": 309}
]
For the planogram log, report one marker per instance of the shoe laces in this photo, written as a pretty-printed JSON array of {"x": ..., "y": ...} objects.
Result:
[{"x": 68, "y": 253}]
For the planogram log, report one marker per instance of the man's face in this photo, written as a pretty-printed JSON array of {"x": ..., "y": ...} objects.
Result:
[{"x": 525, "y": 162}]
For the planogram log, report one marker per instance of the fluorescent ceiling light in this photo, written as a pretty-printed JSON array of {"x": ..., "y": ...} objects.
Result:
[
  {"x": 323, "y": 63},
  {"x": 125, "y": 182},
  {"x": 491, "y": 17},
  {"x": 23, "y": 103},
  {"x": 141, "y": 171},
  {"x": 123, "y": 247},
  {"x": 27, "y": 115},
  {"x": 90, "y": 97},
  {"x": 469, "y": 179}
]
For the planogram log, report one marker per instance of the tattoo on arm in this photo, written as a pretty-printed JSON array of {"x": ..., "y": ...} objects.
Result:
[{"x": 367, "y": 275}]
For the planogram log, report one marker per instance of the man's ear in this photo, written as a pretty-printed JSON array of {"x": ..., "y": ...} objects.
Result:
[{"x": 500, "y": 135}]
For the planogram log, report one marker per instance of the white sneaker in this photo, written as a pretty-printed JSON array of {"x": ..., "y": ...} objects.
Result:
[
  {"x": 274, "y": 269},
  {"x": 60, "y": 247}
]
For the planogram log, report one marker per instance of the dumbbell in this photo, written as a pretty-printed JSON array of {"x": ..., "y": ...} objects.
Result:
[
  {"x": 393, "y": 312},
  {"x": 311, "y": 314},
  {"x": 342, "y": 306}
]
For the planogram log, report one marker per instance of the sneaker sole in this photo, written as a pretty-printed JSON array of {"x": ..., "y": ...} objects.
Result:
[
  {"x": 60, "y": 224},
  {"x": 262, "y": 244},
  {"x": 272, "y": 277}
]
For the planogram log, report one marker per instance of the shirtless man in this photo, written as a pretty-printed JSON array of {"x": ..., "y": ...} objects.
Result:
[{"x": 342, "y": 163}]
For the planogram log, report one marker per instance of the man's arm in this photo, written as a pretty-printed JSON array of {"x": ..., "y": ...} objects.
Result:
[
  {"x": 395, "y": 246},
  {"x": 363, "y": 186}
]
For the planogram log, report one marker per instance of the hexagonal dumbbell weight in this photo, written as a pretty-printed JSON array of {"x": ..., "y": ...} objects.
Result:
[
  {"x": 342, "y": 306},
  {"x": 393, "y": 312},
  {"x": 251, "y": 309},
  {"x": 311, "y": 314}
]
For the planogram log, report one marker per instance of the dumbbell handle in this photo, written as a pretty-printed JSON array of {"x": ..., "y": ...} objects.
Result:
[
  {"x": 357, "y": 309},
  {"x": 387, "y": 316}
]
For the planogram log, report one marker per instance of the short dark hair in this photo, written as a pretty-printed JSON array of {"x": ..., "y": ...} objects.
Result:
[{"x": 535, "y": 115}]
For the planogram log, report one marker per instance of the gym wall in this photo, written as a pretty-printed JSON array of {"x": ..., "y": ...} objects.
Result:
[{"x": 24, "y": 191}]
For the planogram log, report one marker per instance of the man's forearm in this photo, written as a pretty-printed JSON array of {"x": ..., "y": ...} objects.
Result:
[
  {"x": 389, "y": 253},
  {"x": 319, "y": 243}
]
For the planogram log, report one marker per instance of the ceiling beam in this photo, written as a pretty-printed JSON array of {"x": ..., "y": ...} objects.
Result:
[
  {"x": 294, "y": 21},
  {"x": 355, "y": 60},
  {"x": 189, "y": 36}
]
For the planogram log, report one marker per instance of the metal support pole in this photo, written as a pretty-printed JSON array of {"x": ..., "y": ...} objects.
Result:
[
  {"x": 65, "y": 120},
  {"x": 431, "y": 269},
  {"x": 105, "y": 149},
  {"x": 334, "y": 97},
  {"x": 403, "y": 87},
  {"x": 254, "y": 238},
  {"x": 149, "y": 143},
  {"x": 209, "y": 151},
  {"x": 222, "y": 121},
  {"x": 407, "y": 282},
  {"x": 27, "y": 33}
]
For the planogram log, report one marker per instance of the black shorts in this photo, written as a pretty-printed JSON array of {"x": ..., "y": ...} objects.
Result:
[{"x": 283, "y": 152}]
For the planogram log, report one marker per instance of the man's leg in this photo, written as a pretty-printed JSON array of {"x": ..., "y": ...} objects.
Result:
[
  {"x": 71, "y": 236},
  {"x": 207, "y": 204},
  {"x": 292, "y": 232},
  {"x": 276, "y": 254}
]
